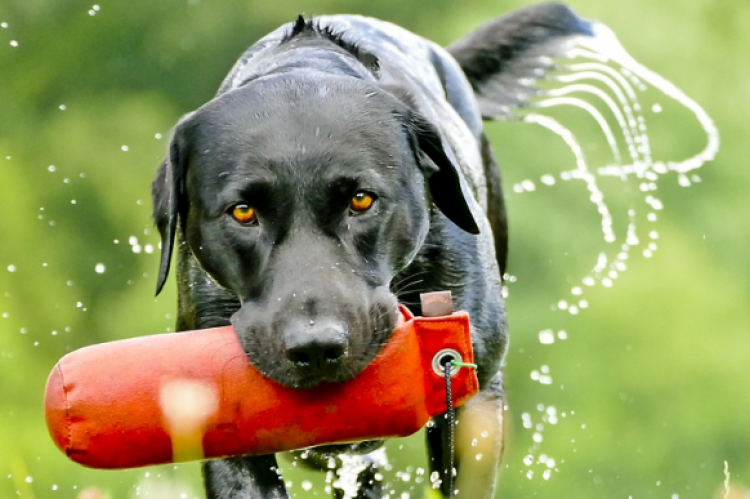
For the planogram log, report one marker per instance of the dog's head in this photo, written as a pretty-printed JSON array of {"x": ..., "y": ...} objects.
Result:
[{"x": 304, "y": 197}]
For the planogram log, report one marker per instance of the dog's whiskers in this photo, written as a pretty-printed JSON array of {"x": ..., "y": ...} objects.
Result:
[{"x": 410, "y": 280}]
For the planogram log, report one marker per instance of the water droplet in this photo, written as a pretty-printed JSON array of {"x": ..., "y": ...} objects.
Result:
[
  {"x": 4, "y": 25},
  {"x": 546, "y": 337},
  {"x": 14, "y": 43},
  {"x": 100, "y": 268},
  {"x": 158, "y": 136},
  {"x": 29, "y": 479},
  {"x": 434, "y": 477},
  {"x": 656, "y": 108},
  {"x": 63, "y": 107},
  {"x": 51, "y": 168},
  {"x": 124, "y": 148},
  {"x": 11, "y": 268},
  {"x": 306, "y": 485}
]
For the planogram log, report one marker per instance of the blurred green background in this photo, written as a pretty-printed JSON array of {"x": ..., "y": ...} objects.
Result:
[{"x": 649, "y": 390}]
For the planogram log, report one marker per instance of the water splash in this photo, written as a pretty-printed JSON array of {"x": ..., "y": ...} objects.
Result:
[
  {"x": 536, "y": 462},
  {"x": 599, "y": 77}
]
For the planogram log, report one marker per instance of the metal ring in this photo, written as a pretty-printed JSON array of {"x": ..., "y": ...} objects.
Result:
[{"x": 445, "y": 355}]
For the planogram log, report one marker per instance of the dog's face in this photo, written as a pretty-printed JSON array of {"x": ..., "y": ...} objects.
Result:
[{"x": 304, "y": 197}]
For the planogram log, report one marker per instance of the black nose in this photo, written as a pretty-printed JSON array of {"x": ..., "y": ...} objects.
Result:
[{"x": 316, "y": 346}]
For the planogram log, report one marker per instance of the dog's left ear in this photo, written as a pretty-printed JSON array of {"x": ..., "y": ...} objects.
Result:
[
  {"x": 441, "y": 168},
  {"x": 167, "y": 193}
]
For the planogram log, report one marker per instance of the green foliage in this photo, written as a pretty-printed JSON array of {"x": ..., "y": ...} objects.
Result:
[{"x": 647, "y": 387}]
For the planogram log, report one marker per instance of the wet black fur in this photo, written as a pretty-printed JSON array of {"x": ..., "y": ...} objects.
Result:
[{"x": 309, "y": 115}]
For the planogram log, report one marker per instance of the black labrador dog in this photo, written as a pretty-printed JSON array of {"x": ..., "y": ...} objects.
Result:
[{"x": 343, "y": 168}]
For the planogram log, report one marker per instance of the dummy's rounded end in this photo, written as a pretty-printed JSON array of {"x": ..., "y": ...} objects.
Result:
[{"x": 56, "y": 409}]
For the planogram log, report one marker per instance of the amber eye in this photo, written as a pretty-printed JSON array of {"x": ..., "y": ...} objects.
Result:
[
  {"x": 243, "y": 213},
  {"x": 361, "y": 201}
]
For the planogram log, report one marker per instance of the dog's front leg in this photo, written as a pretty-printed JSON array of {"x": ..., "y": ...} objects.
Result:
[
  {"x": 244, "y": 478},
  {"x": 478, "y": 442}
]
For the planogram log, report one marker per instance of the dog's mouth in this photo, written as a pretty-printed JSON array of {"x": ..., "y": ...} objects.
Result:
[{"x": 303, "y": 354}]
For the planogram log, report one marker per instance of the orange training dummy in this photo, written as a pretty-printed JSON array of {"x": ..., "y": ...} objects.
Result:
[{"x": 193, "y": 395}]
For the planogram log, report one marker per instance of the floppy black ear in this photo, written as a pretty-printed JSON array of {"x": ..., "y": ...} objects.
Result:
[
  {"x": 447, "y": 191},
  {"x": 167, "y": 192}
]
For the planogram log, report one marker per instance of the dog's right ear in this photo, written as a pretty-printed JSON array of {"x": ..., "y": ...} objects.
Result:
[{"x": 167, "y": 192}]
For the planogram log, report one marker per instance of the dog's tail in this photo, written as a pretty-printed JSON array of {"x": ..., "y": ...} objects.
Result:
[{"x": 504, "y": 58}]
